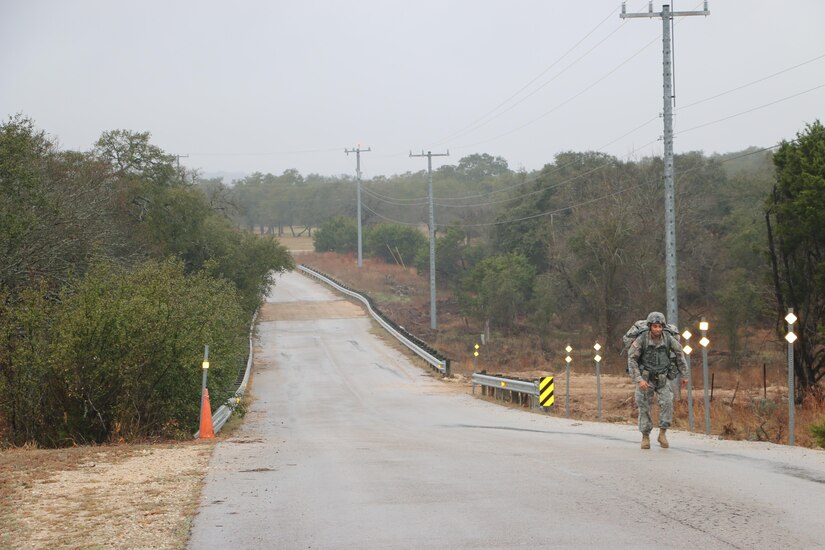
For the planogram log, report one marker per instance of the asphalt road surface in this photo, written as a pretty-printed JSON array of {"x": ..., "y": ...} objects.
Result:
[{"x": 349, "y": 444}]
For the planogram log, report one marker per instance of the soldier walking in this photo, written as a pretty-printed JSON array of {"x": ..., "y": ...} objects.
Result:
[{"x": 652, "y": 361}]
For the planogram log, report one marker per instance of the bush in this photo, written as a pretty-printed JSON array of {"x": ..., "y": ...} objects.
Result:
[
  {"x": 248, "y": 261},
  {"x": 394, "y": 243},
  {"x": 25, "y": 376},
  {"x": 337, "y": 235},
  {"x": 498, "y": 288},
  {"x": 130, "y": 346},
  {"x": 118, "y": 356},
  {"x": 818, "y": 433}
]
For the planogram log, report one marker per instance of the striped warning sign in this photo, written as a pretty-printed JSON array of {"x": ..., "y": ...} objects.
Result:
[{"x": 546, "y": 387}]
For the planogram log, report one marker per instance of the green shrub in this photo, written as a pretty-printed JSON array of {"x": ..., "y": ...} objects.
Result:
[
  {"x": 818, "y": 433},
  {"x": 129, "y": 346},
  {"x": 117, "y": 355},
  {"x": 337, "y": 235},
  {"x": 394, "y": 243}
]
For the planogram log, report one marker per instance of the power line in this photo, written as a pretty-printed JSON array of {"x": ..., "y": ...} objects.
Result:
[
  {"x": 556, "y": 211},
  {"x": 578, "y": 204},
  {"x": 396, "y": 202},
  {"x": 757, "y": 81},
  {"x": 609, "y": 195},
  {"x": 750, "y": 110},
  {"x": 266, "y": 153},
  {"x": 533, "y": 179},
  {"x": 383, "y": 217},
  {"x": 686, "y": 130},
  {"x": 563, "y": 103},
  {"x": 478, "y": 123}
]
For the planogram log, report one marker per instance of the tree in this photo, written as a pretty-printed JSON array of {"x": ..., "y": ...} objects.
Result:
[
  {"x": 453, "y": 257},
  {"x": 56, "y": 209},
  {"x": 339, "y": 234},
  {"x": 498, "y": 289},
  {"x": 127, "y": 347},
  {"x": 130, "y": 153},
  {"x": 90, "y": 353},
  {"x": 477, "y": 168},
  {"x": 795, "y": 218},
  {"x": 394, "y": 243},
  {"x": 117, "y": 355}
]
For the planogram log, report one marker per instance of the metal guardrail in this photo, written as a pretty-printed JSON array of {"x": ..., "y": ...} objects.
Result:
[
  {"x": 441, "y": 365},
  {"x": 501, "y": 384},
  {"x": 224, "y": 412}
]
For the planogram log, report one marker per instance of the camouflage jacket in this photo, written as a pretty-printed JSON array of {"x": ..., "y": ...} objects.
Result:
[{"x": 654, "y": 348}]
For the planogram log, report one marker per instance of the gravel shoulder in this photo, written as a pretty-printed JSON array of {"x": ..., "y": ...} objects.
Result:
[{"x": 120, "y": 496}]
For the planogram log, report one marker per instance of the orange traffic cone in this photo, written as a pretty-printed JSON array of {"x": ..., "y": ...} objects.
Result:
[{"x": 206, "y": 431}]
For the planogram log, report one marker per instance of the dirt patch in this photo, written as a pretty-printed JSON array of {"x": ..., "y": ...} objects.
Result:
[
  {"x": 297, "y": 244},
  {"x": 125, "y": 496},
  {"x": 301, "y": 311}
]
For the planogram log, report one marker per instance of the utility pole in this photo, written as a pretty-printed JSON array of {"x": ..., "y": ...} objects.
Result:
[
  {"x": 430, "y": 155},
  {"x": 670, "y": 209},
  {"x": 358, "y": 152},
  {"x": 178, "y": 157}
]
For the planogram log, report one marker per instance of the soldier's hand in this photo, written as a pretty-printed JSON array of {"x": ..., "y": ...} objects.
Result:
[
  {"x": 644, "y": 384},
  {"x": 684, "y": 381}
]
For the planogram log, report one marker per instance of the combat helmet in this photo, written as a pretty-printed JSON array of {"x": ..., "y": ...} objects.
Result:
[{"x": 656, "y": 317}]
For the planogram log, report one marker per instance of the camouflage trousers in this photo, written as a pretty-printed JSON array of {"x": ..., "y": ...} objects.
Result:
[{"x": 659, "y": 385}]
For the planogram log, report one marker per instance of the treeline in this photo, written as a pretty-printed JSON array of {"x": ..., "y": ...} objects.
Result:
[
  {"x": 578, "y": 246},
  {"x": 115, "y": 273},
  {"x": 578, "y": 243}
]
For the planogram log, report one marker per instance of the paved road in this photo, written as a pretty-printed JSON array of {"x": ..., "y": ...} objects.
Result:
[{"x": 349, "y": 445}]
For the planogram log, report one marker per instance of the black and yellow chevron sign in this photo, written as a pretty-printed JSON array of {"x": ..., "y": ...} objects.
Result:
[{"x": 546, "y": 387}]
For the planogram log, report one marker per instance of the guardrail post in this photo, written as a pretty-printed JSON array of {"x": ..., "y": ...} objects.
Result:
[{"x": 567, "y": 359}]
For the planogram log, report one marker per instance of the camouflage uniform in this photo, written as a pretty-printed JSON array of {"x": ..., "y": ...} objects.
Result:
[{"x": 648, "y": 359}]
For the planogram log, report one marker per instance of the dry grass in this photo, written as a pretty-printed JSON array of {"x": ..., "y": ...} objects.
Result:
[
  {"x": 744, "y": 405},
  {"x": 296, "y": 244},
  {"x": 123, "y": 496},
  {"x": 108, "y": 496}
]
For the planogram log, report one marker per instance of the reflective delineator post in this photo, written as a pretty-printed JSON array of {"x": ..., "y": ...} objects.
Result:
[
  {"x": 703, "y": 326},
  {"x": 598, "y": 358},
  {"x": 687, "y": 349},
  {"x": 791, "y": 338},
  {"x": 567, "y": 359}
]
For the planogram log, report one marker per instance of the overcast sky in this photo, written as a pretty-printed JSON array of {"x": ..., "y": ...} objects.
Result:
[{"x": 266, "y": 86}]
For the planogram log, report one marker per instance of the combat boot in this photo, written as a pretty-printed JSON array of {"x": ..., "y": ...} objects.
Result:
[
  {"x": 645, "y": 441},
  {"x": 663, "y": 438}
]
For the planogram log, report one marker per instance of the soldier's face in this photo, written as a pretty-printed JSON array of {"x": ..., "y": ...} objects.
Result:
[{"x": 656, "y": 330}]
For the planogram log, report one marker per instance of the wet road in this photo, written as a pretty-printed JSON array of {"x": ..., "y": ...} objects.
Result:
[{"x": 349, "y": 445}]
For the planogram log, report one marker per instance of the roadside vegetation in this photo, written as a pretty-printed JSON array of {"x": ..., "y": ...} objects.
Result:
[
  {"x": 120, "y": 266},
  {"x": 574, "y": 253},
  {"x": 116, "y": 272},
  {"x": 749, "y": 400}
]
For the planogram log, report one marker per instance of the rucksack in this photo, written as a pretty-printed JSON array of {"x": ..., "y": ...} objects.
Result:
[{"x": 640, "y": 327}]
